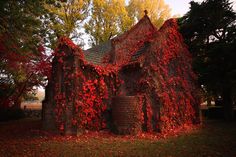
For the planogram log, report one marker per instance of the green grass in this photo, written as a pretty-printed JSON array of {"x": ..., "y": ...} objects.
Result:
[{"x": 214, "y": 139}]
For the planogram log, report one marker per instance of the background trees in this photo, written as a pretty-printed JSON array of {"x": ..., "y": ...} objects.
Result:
[
  {"x": 107, "y": 18},
  {"x": 23, "y": 62},
  {"x": 209, "y": 29},
  {"x": 64, "y": 18},
  {"x": 100, "y": 19},
  {"x": 158, "y": 11}
]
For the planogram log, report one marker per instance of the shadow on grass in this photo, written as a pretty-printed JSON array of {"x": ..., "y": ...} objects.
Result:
[{"x": 23, "y": 138}]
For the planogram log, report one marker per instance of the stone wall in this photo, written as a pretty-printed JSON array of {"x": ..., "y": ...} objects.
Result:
[{"x": 126, "y": 115}]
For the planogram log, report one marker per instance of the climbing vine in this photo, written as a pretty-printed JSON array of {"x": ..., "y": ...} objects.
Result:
[{"x": 165, "y": 84}]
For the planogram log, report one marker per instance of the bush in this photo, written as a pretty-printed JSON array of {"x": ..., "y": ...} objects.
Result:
[{"x": 11, "y": 114}]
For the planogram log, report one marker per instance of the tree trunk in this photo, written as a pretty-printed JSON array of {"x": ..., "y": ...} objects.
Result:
[{"x": 228, "y": 103}]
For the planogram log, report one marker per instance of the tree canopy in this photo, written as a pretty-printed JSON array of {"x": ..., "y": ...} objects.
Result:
[
  {"x": 23, "y": 62},
  {"x": 158, "y": 10},
  {"x": 64, "y": 18},
  {"x": 209, "y": 29},
  {"x": 109, "y": 18}
]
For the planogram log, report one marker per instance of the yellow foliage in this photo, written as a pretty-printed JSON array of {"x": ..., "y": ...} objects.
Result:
[
  {"x": 67, "y": 15},
  {"x": 103, "y": 19},
  {"x": 108, "y": 18},
  {"x": 158, "y": 11}
]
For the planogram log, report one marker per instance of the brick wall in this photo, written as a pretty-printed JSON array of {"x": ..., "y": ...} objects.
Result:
[{"x": 126, "y": 115}]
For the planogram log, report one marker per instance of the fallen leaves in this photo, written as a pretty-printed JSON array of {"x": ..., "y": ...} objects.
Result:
[{"x": 25, "y": 138}]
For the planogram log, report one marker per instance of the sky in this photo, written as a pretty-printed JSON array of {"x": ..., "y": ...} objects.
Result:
[{"x": 180, "y": 7}]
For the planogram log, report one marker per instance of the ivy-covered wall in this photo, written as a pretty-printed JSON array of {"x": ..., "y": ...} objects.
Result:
[{"x": 152, "y": 65}]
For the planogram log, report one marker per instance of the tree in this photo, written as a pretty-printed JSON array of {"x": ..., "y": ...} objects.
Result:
[
  {"x": 64, "y": 18},
  {"x": 20, "y": 74},
  {"x": 107, "y": 19},
  {"x": 23, "y": 62},
  {"x": 157, "y": 10},
  {"x": 27, "y": 26},
  {"x": 209, "y": 29},
  {"x": 20, "y": 23}
]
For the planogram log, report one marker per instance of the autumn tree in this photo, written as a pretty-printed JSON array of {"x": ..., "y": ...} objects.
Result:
[
  {"x": 64, "y": 18},
  {"x": 209, "y": 30},
  {"x": 107, "y": 19},
  {"x": 22, "y": 58},
  {"x": 26, "y": 28},
  {"x": 158, "y": 10}
]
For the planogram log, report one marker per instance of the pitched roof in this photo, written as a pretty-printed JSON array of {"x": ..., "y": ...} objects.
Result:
[
  {"x": 144, "y": 21},
  {"x": 96, "y": 54}
]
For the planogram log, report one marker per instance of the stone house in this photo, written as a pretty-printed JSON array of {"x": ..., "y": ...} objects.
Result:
[{"x": 141, "y": 80}]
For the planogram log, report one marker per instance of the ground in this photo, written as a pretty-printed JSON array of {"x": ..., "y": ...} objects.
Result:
[{"x": 24, "y": 138}]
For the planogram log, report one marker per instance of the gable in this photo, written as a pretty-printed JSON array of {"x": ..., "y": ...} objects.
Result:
[
  {"x": 125, "y": 47},
  {"x": 129, "y": 43}
]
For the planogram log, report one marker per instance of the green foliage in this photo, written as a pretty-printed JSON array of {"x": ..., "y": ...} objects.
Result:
[
  {"x": 64, "y": 18},
  {"x": 20, "y": 21},
  {"x": 108, "y": 18},
  {"x": 209, "y": 28},
  {"x": 20, "y": 49}
]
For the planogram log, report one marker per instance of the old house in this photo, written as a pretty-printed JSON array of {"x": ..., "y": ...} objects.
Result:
[{"x": 141, "y": 80}]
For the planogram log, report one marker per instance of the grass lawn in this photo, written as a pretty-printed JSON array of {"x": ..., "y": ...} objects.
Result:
[{"x": 23, "y": 138}]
